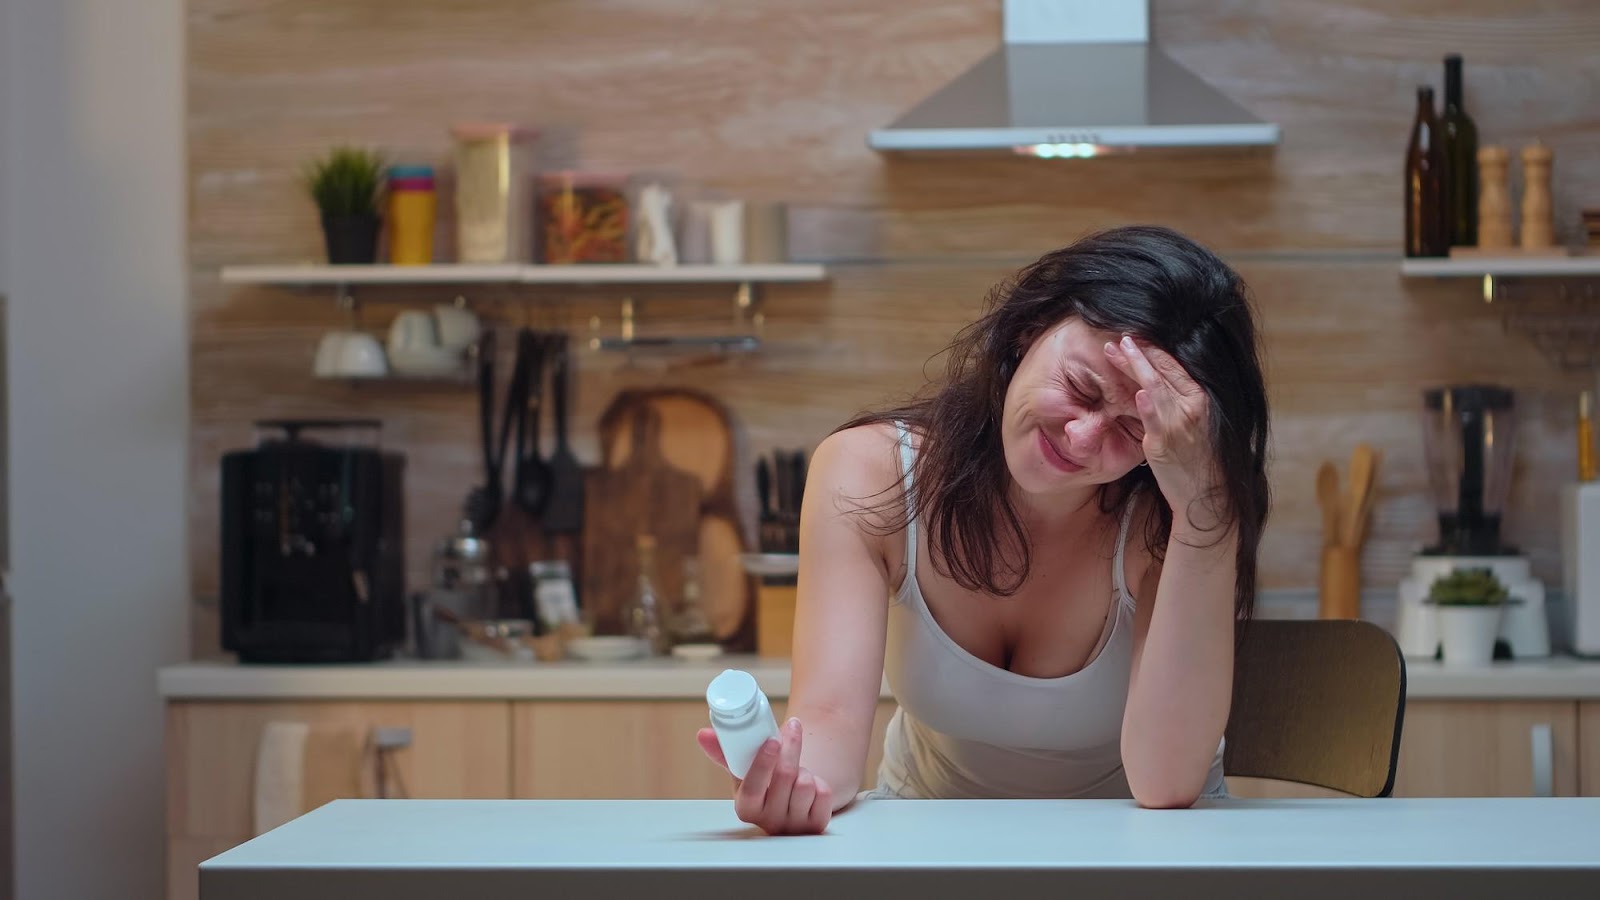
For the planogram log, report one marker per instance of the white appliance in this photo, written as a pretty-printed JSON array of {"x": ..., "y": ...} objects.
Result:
[
  {"x": 1469, "y": 442},
  {"x": 1075, "y": 78},
  {"x": 1580, "y": 557}
]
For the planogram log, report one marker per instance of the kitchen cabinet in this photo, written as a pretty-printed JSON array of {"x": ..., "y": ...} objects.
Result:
[
  {"x": 1589, "y": 748},
  {"x": 459, "y": 749},
  {"x": 1474, "y": 748},
  {"x": 614, "y": 749}
]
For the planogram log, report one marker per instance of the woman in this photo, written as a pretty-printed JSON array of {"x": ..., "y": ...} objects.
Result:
[{"x": 1112, "y": 389}]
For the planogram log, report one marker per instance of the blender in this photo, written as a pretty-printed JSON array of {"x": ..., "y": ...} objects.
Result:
[{"x": 1469, "y": 441}]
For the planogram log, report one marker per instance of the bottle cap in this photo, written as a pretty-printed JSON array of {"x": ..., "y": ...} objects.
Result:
[{"x": 732, "y": 695}]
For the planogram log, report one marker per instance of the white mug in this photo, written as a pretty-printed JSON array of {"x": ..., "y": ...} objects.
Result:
[
  {"x": 458, "y": 327},
  {"x": 413, "y": 330}
]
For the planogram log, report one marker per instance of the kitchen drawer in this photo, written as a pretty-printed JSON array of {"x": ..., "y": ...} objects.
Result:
[
  {"x": 625, "y": 749},
  {"x": 458, "y": 749},
  {"x": 1471, "y": 748},
  {"x": 1589, "y": 748}
]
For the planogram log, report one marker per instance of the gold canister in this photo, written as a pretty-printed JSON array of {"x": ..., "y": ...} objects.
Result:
[{"x": 493, "y": 211}]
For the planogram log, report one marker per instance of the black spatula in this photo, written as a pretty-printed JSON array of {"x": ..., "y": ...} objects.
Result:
[{"x": 563, "y": 511}]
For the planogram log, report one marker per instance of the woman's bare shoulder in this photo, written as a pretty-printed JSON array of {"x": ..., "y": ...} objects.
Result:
[{"x": 860, "y": 466}]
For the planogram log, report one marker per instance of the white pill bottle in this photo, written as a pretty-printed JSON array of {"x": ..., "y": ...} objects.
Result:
[{"x": 741, "y": 717}]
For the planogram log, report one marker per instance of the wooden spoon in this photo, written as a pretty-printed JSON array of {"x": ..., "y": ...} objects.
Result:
[
  {"x": 1328, "y": 499},
  {"x": 1363, "y": 466},
  {"x": 1364, "y": 523}
]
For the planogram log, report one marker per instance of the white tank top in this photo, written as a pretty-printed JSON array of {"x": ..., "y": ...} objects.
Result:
[{"x": 966, "y": 728}]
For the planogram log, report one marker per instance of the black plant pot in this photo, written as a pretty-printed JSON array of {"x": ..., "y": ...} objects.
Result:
[{"x": 351, "y": 239}]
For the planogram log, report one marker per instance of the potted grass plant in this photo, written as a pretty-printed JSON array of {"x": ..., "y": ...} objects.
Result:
[
  {"x": 1469, "y": 604},
  {"x": 345, "y": 185}
]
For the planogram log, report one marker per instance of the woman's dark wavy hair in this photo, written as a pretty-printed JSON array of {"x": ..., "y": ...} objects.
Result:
[{"x": 1148, "y": 281}]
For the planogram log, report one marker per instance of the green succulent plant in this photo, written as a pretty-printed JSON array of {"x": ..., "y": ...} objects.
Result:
[
  {"x": 1468, "y": 587},
  {"x": 346, "y": 182}
]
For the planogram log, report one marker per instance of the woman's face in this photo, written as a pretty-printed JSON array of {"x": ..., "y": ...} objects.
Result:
[{"x": 1070, "y": 419}]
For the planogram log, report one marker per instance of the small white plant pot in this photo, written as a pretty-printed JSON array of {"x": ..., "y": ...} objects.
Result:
[{"x": 1468, "y": 633}]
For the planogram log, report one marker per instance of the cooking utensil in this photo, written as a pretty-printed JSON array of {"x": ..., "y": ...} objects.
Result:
[
  {"x": 1328, "y": 499},
  {"x": 1363, "y": 462},
  {"x": 764, "y": 493},
  {"x": 563, "y": 512},
  {"x": 532, "y": 479},
  {"x": 483, "y": 502},
  {"x": 1368, "y": 497}
]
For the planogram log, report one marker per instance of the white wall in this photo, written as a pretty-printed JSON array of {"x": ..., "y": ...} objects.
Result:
[{"x": 92, "y": 223}]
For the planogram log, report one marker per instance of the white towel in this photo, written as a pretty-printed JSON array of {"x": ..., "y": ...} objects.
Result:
[{"x": 280, "y": 774}]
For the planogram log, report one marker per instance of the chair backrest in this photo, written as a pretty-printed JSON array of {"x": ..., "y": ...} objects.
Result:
[{"x": 1317, "y": 702}]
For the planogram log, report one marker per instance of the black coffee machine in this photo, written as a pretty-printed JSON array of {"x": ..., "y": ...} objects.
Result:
[{"x": 313, "y": 566}]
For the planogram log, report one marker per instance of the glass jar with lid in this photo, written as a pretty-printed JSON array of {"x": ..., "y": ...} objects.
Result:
[
  {"x": 493, "y": 212},
  {"x": 583, "y": 218}
]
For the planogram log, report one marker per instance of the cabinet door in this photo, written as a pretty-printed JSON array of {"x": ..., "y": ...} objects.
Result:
[
  {"x": 1460, "y": 748},
  {"x": 625, "y": 749},
  {"x": 1589, "y": 748},
  {"x": 458, "y": 750}
]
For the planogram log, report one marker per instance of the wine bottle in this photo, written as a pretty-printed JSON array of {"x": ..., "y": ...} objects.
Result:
[
  {"x": 1461, "y": 158},
  {"x": 1427, "y": 231}
]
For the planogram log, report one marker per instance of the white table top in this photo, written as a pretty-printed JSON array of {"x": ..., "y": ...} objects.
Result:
[
  {"x": 1557, "y": 678},
  {"x": 492, "y": 849}
]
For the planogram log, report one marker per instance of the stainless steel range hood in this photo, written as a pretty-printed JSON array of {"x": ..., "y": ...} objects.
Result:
[{"x": 1075, "y": 78}]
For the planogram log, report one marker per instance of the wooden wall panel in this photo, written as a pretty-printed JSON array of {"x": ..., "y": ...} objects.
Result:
[{"x": 773, "y": 101}]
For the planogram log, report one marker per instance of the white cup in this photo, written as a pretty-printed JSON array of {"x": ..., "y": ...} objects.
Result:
[
  {"x": 458, "y": 328},
  {"x": 413, "y": 330},
  {"x": 727, "y": 233}
]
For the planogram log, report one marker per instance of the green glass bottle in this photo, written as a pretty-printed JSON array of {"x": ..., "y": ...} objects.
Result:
[{"x": 1461, "y": 158}]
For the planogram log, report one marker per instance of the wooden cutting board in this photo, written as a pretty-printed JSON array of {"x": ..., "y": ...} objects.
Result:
[
  {"x": 644, "y": 494},
  {"x": 697, "y": 436}
]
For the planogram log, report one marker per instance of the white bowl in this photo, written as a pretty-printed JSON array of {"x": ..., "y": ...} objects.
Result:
[
  {"x": 697, "y": 652},
  {"x": 606, "y": 648}
]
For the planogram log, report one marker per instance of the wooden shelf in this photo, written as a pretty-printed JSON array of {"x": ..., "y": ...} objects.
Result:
[
  {"x": 1502, "y": 266},
  {"x": 513, "y": 273}
]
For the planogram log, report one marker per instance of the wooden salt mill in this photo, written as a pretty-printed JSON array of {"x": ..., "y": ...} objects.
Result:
[
  {"x": 1494, "y": 198},
  {"x": 1537, "y": 224}
]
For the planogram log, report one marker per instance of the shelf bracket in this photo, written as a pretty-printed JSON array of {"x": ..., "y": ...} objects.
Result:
[{"x": 1560, "y": 317}]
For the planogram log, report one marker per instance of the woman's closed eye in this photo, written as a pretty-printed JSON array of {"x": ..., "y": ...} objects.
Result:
[{"x": 1131, "y": 426}]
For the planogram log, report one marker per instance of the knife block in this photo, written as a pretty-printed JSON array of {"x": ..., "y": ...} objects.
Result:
[{"x": 775, "y": 602}]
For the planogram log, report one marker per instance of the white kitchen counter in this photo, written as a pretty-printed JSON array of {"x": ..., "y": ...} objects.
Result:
[
  {"x": 642, "y": 679},
  {"x": 1308, "y": 849},
  {"x": 1559, "y": 678}
]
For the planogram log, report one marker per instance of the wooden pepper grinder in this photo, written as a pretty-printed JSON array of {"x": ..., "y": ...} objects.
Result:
[
  {"x": 1537, "y": 225},
  {"x": 1494, "y": 198}
]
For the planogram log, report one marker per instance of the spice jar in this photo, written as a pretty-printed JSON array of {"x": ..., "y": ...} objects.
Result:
[
  {"x": 583, "y": 218},
  {"x": 413, "y": 209},
  {"x": 554, "y": 596},
  {"x": 492, "y": 209}
]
